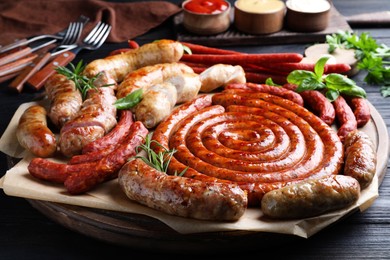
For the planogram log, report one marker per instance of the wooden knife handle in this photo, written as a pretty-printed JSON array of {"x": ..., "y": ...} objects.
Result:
[
  {"x": 15, "y": 55},
  {"x": 370, "y": 19},
  {"x": 38, "y": 79},
  {"x": 17, "y": 65},
  {"x": 18, "y": 83}
]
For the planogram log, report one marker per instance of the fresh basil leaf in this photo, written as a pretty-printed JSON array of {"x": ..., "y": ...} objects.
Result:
[
  {"x": 310, "y": 84},
  {"x": 270, "y": 82},
  {"x": 130, "y": 100},
  {"x": 338, "y": 81},
  {"x": 297, "y": 76},
  {"x": 332, "y": 94},
  {"x": 320, "y": 66},
  {"x": 355, "y": 91}
]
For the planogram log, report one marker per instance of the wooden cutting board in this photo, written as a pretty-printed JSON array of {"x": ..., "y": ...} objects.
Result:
[{"x": 232, "y": 36}]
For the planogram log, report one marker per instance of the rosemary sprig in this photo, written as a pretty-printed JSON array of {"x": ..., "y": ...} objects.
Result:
[
  {"x": 160, "y": 160},
  {"x": 75, "y": 73}
]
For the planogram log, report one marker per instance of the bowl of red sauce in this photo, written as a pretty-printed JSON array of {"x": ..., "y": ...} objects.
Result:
[{"x": 206, "y": 17}]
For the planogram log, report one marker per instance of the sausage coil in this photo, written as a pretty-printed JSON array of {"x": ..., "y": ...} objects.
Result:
[{"x": 260, "y": 141}]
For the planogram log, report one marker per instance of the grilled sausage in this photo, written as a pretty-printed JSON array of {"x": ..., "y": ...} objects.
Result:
[
  {"x": 99, "y": 148},
  {"x": 311, "y": 197},
  {"x": 345, "y": 118},
  {"x": 237, "y": 145},
  {"x": 79, "y": 178},
  {"x": 114, "y": 68},
  {"x": 33, "y": 134},
  {"x": 360, "y": 157},
  {"x": 277, "y": 91},
  {"x": 107, "y": 168},
  {"x": 95, "y": 119},
  {"x": 65, "y": 99},
  {"x": 360, "y": 109},
  {"x": 156, "y": 104},
  {"x": 316, "y": 102},
  {"x": 150, "y": 75},
  {"x": 187, "y": 86},
  {"x": 181, "y": 196},
  {"x": 220, "y": 75}
]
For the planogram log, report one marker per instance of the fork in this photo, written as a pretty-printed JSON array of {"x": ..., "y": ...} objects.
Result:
[
  {"x": 71, "y": 36},
  {"x": 92, "y": 41}
]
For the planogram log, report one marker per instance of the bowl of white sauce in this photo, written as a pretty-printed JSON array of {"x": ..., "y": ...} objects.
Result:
[{"x": 307, "y": 15}]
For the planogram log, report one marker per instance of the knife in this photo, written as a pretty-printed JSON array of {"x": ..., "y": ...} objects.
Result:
[{"x": 23, "y": 52}]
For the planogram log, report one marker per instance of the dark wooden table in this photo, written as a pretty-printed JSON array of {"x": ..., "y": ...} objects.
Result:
[{"x": 26, "y": 233}]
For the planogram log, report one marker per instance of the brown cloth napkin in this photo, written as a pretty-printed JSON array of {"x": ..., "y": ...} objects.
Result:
[{"x": 26, "y": 18}]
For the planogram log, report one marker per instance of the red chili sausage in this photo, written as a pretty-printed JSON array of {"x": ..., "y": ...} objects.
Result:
[
  {"x": 110, "y": 140},
  {"x": 345, "y": 117},
  {"x": 181, "y": 196},
  {"x": 107, "y": 168},
  {"x": 316, "y": 102},
  {"x": 360, "y": 109}
]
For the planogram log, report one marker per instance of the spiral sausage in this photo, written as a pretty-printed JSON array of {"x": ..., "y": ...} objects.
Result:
[{"x": 262, "y": 142}]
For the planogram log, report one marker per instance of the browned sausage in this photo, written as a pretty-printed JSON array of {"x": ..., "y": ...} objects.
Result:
[
  {"x": 193, "y": 134},
  {"x": 95, "y": 119},
  {"x": 101, "y": 147},
  {"x": 360, "y": 157},
  {"x": 33, "y": 134},
  {"x": 79, "y": 178},
  {"x": 65, "y": 99},
  {"x": 311, "y": 197},
  {"x": 181, "y": 196},
  {"x": 360, "y": 109},
  {"x": 114, "y": 68},
  {"x": 277, "y": 91},
  {"x": 220, "y": 75},
  {"x": 316, "y": 102},
  {"x": 148, "y": 76},
  {"x": 52, "y": 171},
  {"x": 107, "y": 168},
  {"x": 345, "y": 118}
]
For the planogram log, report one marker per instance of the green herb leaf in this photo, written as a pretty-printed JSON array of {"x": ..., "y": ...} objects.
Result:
[
  {"x": 160, "y": 161},
  {"x": 130, "y": 100},
  {"x": 75, "y": 73},
  {"x": 371, "y": 56},
  {"x": 319, "y": 67},
  {"x": 298, "y": 76}
]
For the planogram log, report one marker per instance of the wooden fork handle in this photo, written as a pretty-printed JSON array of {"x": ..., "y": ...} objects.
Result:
[{"x": 37, "y": 81}]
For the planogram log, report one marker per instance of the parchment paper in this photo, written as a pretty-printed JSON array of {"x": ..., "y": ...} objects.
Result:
[{"x": 18, "y": 182}]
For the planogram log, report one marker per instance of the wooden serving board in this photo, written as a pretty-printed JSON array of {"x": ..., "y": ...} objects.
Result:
[
  {"x": 234, "y": 37},
  {"x": 144, "y": 232}
]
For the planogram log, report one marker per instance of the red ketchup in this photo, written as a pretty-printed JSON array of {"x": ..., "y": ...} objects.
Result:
[{"x": 206, "y": 6}]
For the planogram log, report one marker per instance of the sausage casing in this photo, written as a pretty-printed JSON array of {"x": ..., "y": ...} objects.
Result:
[
  {"x": 311, "y": 197},
  {"x": 360, "y": 157},
  {"x": 65, "y": 99},
  {"x": 33, "y": 134},
  {"x": 181, "y": 196}
]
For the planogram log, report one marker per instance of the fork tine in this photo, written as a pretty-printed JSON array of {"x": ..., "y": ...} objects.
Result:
[
  {"x": 101, "y": 34},
  {"x": 103, "y": 37},
  {"x": 92, "y": 33},
  {"x": 68, "y": 34}
]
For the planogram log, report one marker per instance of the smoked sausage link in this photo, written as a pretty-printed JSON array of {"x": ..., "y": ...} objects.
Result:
[
  {"x": 181, "y": 196},
  {"x": 33, "y": 134},
  {"x": 360, "y": 157},
  {"x": 311, "y": 198}
]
